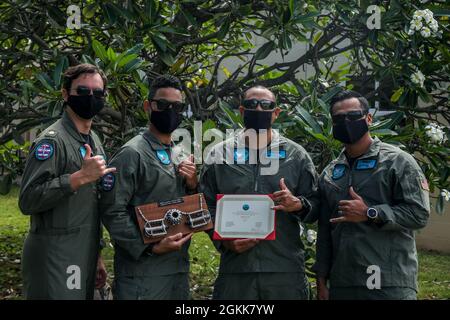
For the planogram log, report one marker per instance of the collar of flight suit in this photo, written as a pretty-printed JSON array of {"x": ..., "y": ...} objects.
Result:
[
  {"x": 373, "y": 152},
  {"x": 72, "y": 129},
  {"x": 154, "y": 142}
]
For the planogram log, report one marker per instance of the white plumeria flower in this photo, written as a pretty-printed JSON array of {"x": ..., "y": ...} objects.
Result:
[
  {"x": 425, "y": 32},
  {"x": 434, "y": 26},
  {"x": 311, "y": 236},
  {"x": 428, "y": 15},
  {"x": 435, "y": 133},
  {"x": 446, "y": 194},
  {"x": 416, "y": 24},
  {"x": 424, "y": 22},
  {"x": 301, "y": 230},
  {"x": 418, "y": 78}
]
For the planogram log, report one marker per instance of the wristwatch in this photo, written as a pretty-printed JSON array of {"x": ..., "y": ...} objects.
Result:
[{"x": 372, "y": 214}]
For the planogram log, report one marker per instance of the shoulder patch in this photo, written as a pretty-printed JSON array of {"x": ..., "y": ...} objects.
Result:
[
  {"x": 366, "y": 164},
  {"x": 338, "y": 171},
  {"x": 424, "y": 184},
  {"x": 280, "y": 154},
  {"x": 108, "y": 181},
  {"x": 163, "y": 156},
  {"x": 44, "y": 151}
]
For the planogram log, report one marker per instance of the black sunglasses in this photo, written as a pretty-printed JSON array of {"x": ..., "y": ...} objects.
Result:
[
  {"x": 163, "y": 104},
  {"x": 349, "y": 116},
  {"x": 85, "y": 91},
  {"x": 253, "y": 104}
]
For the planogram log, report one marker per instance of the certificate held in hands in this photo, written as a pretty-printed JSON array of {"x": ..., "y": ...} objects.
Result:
[{"x": 244, "y": 217}]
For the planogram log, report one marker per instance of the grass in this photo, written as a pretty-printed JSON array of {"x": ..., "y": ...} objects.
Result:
[{"x": 434, "y": 271}]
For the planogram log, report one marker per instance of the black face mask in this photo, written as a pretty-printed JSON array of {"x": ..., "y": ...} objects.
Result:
[
  {"x": 165, "y": 121},
  {"x": 257, "y": 120},
  {"x": 350, "y": 132},
  {"x": 86, "y": 106}
]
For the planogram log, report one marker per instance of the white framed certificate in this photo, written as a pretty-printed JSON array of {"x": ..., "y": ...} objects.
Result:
[{"x": 244, "y": 217}]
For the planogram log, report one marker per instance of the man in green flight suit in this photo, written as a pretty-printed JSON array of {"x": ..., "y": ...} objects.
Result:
[
  {"x": 146, "y": 173},
  {"x": 373, "y": 197},
  {"x": 59, "y": 191},
  {"x": 263, "y": 269}
]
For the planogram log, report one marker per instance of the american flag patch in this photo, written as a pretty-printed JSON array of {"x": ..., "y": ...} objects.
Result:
[
  {"x": 424, "y": 184},
  {"x": 44, "y": 151}
]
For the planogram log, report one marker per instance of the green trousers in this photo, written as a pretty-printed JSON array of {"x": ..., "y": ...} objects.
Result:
[
  {"x": 261, "y": 286},
  {"x": 167, "y": 287},
  {"x": 363, "y": 293}
]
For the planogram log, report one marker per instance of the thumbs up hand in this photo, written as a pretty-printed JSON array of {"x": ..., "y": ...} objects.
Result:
[
  {"x": 285, "y": 200},
  {"x": 91, "y": 170},
  {"x": 354, "y": 210}
]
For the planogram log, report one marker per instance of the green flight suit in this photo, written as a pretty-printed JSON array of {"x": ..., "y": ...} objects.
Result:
[
  {"x": 61, "y": 250},
  {"x": 146, "y": 173},
  {"x": 263, "y": 272},
  {"x": 389, "y": 180}
]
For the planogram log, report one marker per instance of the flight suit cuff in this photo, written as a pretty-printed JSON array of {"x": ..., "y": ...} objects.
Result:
[
  {"x": 306, "y": 208},
  {"x": 191, "y": 191},
  {"x": 384, "y": 215},
  {"x": 64, "y": 182}
]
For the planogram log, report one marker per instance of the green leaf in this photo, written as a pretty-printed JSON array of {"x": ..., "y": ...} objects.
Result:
[
  {"x": 224, "y": 29},
  {"x": 323, "y": 105},
  {"x": 176, "y": 66},
  {"x": 331, "y": 93},
  {"x": 88, "y": 59},
  {"x": 397, "y": 94},
  {"x": 110, "y": 13},
  {"x": 317, "y": 36},
  {"x": 167, "y": 58},
  {"x": 286, "y": 41},
  {"x": 265, "y": 50},
  {"x": 440, "y": 12},
  {"x": 45, "y": 80},
  {"x": 308, "y": 119},
  {"x": 133, "y": 65},
  {"x": 111, "y": 54},
  {"x": 234, "y": 118},
  {"x": 99, "y": 50},
  {"x": 292, "y": 5},
  {"x": 160, "y": 41},
  {"x": 189, "y": 18},
  {"x": 123, "y": 60},
  {"x": 60, "y": 67},
  {"x": 207, "y": 125},
  {"x": 150, "y": 9}
]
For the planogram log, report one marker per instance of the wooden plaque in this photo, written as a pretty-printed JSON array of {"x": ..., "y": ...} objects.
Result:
[{"x": 161, "y": 219}]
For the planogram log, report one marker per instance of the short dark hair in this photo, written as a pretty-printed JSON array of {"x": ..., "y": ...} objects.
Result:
[
  {"x": 244, "y": 94},
  {"x": 74, "y": 72},
  {"x": 163, "y": 81},
  {"x": 348, "y": 94}
]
